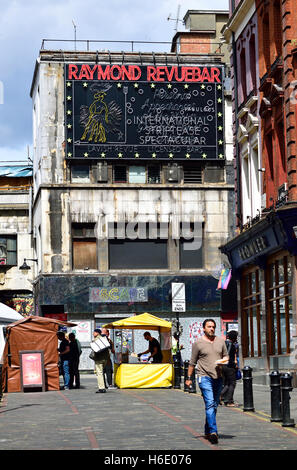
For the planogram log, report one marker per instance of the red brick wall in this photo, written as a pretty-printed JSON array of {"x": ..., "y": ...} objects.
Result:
[{"x": 195, "y": 43}]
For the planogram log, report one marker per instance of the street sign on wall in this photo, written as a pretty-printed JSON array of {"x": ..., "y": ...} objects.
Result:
[
  {"x": 144, "y": 112},
  {"x": 178, "y": 297}
]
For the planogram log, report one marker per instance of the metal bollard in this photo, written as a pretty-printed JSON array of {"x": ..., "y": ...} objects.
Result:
[
  {"x": 177, "y": 374},
  {"x": 192, "y": 388},
  {"x": 275, "y": 389},
  {"x": 186, "y": 367},
  {"x": 286, "y": 387},
  {"x": 248, "y": 401}
]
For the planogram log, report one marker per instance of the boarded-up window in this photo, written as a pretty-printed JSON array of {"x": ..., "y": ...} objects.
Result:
[
  {"x": 141, "y": 247},
  {"x": 84, "y": 247}
]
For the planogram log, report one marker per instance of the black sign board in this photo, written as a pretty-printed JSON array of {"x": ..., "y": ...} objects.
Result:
[{"x": 144, "y": 112}]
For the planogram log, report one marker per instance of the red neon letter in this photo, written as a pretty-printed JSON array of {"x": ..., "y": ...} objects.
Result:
[{"x": 72, "y": 71}]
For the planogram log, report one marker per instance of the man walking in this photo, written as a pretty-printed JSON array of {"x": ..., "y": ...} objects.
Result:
[{"x": 209, "y": 352}]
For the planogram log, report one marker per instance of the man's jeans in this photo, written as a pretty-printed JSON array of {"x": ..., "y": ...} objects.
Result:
[
  {"x": 211, "y": 391},
  {"x": 66, "y": 374}
]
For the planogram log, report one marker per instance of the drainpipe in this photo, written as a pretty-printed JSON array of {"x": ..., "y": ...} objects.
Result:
[{"x": 239, "y": 212}]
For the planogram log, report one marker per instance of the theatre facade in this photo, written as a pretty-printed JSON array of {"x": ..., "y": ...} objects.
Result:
[{"x": 133, "y": 187}]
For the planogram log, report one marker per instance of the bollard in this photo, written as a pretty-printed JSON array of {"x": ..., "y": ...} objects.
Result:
[
  {"x": 275, "y": 389},
  {"x": 248, "y": 401},
  {"x": 177, "y": 374},
  {"x": 186, "y": 367},
  {"x": 192, "y": 388},
  {"x": 286, "y": 387}
]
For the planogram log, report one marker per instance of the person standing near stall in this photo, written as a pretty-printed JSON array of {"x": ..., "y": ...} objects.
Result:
[
  {"x": 154, "y": 348},
  {"x": 75, "y": 352},
  {"x": 64, "y": 353},
  {"x": 101, "y": 359},
  {"x": 108, "y": 369},
  {"x": 209, "y": 352}
]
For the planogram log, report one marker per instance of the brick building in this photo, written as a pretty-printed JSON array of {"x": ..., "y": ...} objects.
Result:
[{"x": 263, "y": 251}]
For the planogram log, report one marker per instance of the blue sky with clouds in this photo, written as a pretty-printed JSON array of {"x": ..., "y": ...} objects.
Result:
[{"x": 23, "y": 25}]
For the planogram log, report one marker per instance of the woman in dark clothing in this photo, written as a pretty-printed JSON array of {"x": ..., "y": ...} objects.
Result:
[
  {"x": 75, "y": 352},
  {"x": 229, "y": 370}
]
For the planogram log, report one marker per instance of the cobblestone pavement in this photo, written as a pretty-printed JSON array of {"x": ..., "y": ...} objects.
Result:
[{"x": 135, "y": 420}]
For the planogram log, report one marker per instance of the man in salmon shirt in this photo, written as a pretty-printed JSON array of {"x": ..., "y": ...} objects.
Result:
[{"x": 209, "y": 352}]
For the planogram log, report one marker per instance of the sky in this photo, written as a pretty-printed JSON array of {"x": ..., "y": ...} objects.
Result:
[{"x": 24, "y": 24}]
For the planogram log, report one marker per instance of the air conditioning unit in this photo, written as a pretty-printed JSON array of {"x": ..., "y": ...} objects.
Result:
[
  {"x": 282, "y": 191},
  {"x": 102, "y": 172},
  {"x": 3, "y": 254},
  {"x": 172, "y": 174}
]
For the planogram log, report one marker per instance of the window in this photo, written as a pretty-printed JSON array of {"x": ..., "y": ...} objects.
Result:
[
  {"x": 192, "y": 174},
  {"x": 84, "y": 248},
  {"x": 191, "y": 247},
  {"x": 137, "y": 174},
  {"x": 144, "y": 250},
  {"x": 251, "y": 314},
  {"x": 253, "y": 61},
  {"x": 8, "y": 250},
  {"x": 80, "y": 174},
  {"x": 243, "y": 73},
  {"x": 280, "y": 322}
]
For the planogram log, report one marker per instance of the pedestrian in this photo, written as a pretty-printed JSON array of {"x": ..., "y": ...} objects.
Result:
[
  {"x": 176, "y": 349},
  {"x": 100, "y": 359},
  {"x": 154, "y": 348},
  {"x": 209, "y": 352},
  {"x": 64, "y": 355},
  {"x": 229, "y": 370},
  {"x": 108, "y": 369},
  {"x": 75, "y": 352}
]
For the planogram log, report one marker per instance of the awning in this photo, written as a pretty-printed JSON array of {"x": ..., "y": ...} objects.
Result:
[{"x": 144, "y": 321}]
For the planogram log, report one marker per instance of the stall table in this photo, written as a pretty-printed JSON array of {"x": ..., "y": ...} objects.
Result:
[{"x": 145, "y": 375}]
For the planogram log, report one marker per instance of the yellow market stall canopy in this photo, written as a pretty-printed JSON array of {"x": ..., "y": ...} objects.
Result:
[{"x": 144, "y": 375}]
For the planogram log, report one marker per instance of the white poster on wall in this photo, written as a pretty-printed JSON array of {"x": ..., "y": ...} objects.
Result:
[{"x": 82, "y": 330}]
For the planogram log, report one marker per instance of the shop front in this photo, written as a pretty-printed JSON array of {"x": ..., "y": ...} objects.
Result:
[{"x": 263, "y": 260}]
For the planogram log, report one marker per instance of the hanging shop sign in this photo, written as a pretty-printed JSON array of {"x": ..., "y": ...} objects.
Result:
[{"x": 144, "y": 112}]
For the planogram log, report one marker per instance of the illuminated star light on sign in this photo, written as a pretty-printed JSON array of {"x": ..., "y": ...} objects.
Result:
[
  {"x": 119, "y": 85},
  {"x": 219, "y": 100},
  {"x": 153, "y": 85},
  {"x": 120, "y": 155},
  {"x": 204, "y": 155},
  {"x": 85, "y": 84},
  {"x": 69, "y": 126},
  {"x": 154, "y": 155},
  {"x": 86, "y": 154},
  {"x": 69, "y": 84},
  {"x": 136, "y": 85},
  {"x": 171, "y": 155},
  {"x": 69, "y": 140},
  {"x": 69, "y": 154},
  {"x": 136, "y": 155},
  {"x": 103, "y": 155},
  {"x": 188, "y": 155},
  {"x": 219, "y": 87},
  {"x": 220, "y": 128},
  {"x": 69, "y": 112},
  {"x": 221, "y": 155},
  {"x": 169, "y": 85},
  {"x": 69, "y": 98},
  {"x": 220, "y": 114},
  {"x": 202, "y": 87},
  {"x": 186, "y": 86}
]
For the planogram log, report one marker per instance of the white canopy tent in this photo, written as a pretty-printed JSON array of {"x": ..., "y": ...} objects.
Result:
[{"x": 7, "y": 316}]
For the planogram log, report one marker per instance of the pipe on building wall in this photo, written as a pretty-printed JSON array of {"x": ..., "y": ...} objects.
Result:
[{"x": 238, "y": 167}]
